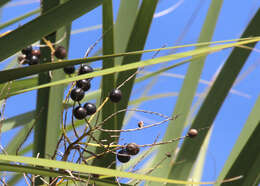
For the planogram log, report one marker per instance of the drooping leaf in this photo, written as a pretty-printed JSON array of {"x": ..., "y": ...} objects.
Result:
[
  {"x": 213, "y": 102},
  {"x": 188, "y": 89},
  {"x": 238, "y": 162},
  {"x": 197, "y": 52},
  {"x": 78, "y": 168},
  {"x": 35, "y": 29},
  {"x": 19, "y": 18}
]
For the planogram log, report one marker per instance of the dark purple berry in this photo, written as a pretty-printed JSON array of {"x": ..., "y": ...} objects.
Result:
[
  {"x": 192, "y": 133},
  {"x": 79, "y": 112},
  {"x": 123, "y": 156},
  {"x": 60, "y": 52},
  {"x": 84, "y": 84},
  {"x": 91, "y": 108},
  {"x": 77, "y": 94},
  {"x": 132, "y": 149},
  {"x": 27, "y": 50},
  {"x": 36, "y": 52},
  {"x": 115, "y": 95},
  {"x": 69, "y": 69},
  {"x": 84, "y": 69},
  {"x": 34, "y": 60}
]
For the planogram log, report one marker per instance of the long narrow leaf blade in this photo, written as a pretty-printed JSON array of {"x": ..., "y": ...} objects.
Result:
[
  {"x": 236, "y": 164},
  {"x": 44, "y": 25},
  {"x": 213, "y": 102},
  {"x": 188, "y": 89}
]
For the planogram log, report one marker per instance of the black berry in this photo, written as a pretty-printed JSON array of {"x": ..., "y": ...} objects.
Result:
[
  {"x": 34, "y": 60},
  {"x": 90, "y": 108},
  {"x": 77, "y": 94},
  {"x": 123, "y": 156},
  {"x": 79, "y": 112},
  {"x": 115, "y": 95},
  {"x": 192, "y": 133},
  {"x": 69, "y": 69},
  {"x": 60, "y": 52},
  {"x": 84, "y": 69},
  {"x": 132, "y": 149},
  {"x": 84, "y": 84},
  {"x": 36, "y": 52},
  {"x": 27, "y": 50}
]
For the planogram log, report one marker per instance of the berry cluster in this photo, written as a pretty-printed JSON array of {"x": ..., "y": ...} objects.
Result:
[
  {"x": 32, "y": 56},
  {"x": 29, "y": 56},
  {"x": 124, "y": 155},
  {"x": 78, "y": 93}
]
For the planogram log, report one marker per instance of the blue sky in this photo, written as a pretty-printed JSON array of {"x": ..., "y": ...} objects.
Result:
[{"x": 166, "y": 30}]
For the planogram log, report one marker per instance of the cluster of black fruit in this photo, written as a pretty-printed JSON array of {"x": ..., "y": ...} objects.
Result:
[
  {"x": 29, "y": 56},
  {"x": 78, "y": 93},
  {"x": 124, "y": 155}
]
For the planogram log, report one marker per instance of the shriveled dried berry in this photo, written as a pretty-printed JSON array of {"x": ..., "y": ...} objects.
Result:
[
  {"x": 192, "y": 133},
  {"x": 140, "y": 124}
]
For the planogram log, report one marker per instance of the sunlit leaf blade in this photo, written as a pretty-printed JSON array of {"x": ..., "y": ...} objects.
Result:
[
  {"x": 136, "y": 42},
  {"x": 17, "y": 85},
  {"x": 188, "y": 89},
  {"x": 18, "y": 140},
  {"x": 12, "y": 74},
  {"x": 247, "y": 163},
  {"x": 19, "y": 18},
  {"x": 144, "y": 77},
  {"x": 197, "y": 52},
  {"x": 17, "y": 121},
  {"x": 49, "y": 100},
  {"x": 108, "y": 83},
  {"x": 238, "y": 161},
  {"x": 213, "y": 102},
  {"x": 197, "y": 171},
  {"x": 35, "y": 29},
  {"x": 48, "y": 172},
  {"x": 124, "y": 25},
  {"x": 80, "y": 168},
  {"x": 14, "y": 179}
]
